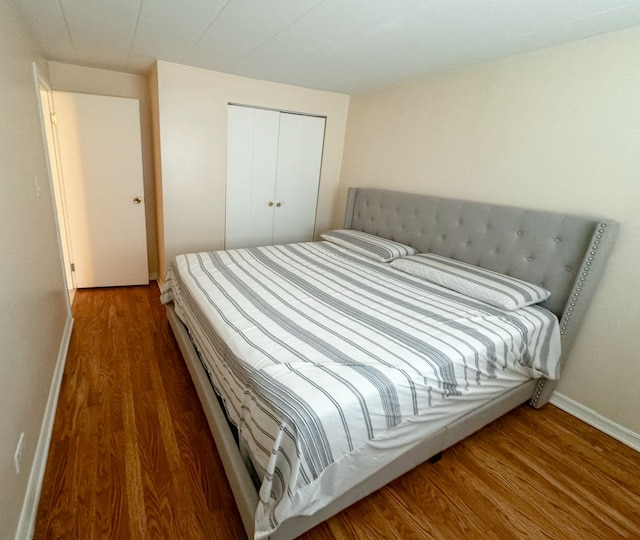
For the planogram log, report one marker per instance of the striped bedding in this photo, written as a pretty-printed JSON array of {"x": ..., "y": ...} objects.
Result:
[{"x": 321, "y": 355}]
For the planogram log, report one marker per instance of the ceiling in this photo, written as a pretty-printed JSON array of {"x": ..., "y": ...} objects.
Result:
[{"x": 348, "y": 46}]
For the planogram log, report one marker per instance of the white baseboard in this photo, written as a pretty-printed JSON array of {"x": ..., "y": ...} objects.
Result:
[
  {"x": 27, "y": 521},
  {"x": 596, "y": 420}
]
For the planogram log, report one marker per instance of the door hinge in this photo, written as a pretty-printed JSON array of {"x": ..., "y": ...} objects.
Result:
[
  {"x": 73, "y": 267},
  {"x": 54, "y": 118}
]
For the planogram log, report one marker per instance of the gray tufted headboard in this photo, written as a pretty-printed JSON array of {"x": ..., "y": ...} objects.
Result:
[{"x": 566, "y": 254}]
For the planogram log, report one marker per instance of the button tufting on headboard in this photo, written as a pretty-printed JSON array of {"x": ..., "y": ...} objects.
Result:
[{"x": 528, "y": 244}]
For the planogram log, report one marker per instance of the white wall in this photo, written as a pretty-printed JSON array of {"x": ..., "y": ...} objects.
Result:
[
  {"x": 71, "y": 78},
  {"x": 191, "y": 116},
  {"x": 33, "y": 297},
  {"x": 557, "y": 129}
]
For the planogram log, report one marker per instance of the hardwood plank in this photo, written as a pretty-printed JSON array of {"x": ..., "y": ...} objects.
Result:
[
  {"x": 133, "y": 477},
  {"x": 132, "y": 457}
]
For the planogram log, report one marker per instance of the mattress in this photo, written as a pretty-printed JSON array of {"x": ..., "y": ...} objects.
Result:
[{"x": 332, "y": 365}]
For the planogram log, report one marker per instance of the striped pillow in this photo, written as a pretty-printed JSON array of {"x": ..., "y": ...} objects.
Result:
[
  {"x": 485, "y": 285},
  {"x": 369, "y": 245}
]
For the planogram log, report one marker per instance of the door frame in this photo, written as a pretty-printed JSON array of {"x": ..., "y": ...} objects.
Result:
[{"x": 56, "y": 182}]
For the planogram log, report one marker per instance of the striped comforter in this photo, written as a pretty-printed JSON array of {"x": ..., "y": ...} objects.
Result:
[{"x": 317, "y": 351}]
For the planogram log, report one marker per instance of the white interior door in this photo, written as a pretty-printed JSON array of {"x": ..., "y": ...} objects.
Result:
[
  {"x": 299, "y": 159},
  {"x": 252, "y": 157},
  {"x": 101, "y": 163}
]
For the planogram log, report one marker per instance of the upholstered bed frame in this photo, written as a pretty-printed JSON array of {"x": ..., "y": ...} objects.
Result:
[{"x": 564, "y": 253}]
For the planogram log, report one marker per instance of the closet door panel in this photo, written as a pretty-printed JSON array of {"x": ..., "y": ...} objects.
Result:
[
  {"x": 300, "y": 145},
  {"x": 252, "y": 156}
]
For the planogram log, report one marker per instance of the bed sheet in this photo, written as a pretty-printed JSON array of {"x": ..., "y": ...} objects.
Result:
[{"x": 331, "y": 365}]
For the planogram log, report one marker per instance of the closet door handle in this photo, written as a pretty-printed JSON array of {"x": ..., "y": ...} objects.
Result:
[
  {"x": 279, "y": 204},
  {"x": 270, "y": 203}
]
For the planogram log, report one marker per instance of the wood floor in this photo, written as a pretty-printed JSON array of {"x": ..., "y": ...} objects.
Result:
[{"x": 131, "y": 457}]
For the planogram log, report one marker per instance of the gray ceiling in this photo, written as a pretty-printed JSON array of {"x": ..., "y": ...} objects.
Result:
[{"x": 348, "y": 46}]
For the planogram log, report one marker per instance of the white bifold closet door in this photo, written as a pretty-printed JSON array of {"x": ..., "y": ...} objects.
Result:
[{"x": 273, "y": 173}]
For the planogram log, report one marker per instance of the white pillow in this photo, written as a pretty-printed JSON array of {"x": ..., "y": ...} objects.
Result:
[
  {"x": 369, "y": 245},
  {"x": 485, "y": 285}
]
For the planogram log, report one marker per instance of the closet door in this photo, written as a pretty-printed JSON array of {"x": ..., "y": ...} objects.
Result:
[
  {"x": 298, "y": 176},
  {"x": 273, "y": 173},
  {"x": 252, "y": 157}
]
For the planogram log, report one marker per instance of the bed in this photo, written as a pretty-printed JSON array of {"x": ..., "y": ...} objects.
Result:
[{"x": 328, "y": 369}]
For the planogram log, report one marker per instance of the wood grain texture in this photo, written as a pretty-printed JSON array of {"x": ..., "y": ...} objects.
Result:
[{"x": 132, "y": 457}]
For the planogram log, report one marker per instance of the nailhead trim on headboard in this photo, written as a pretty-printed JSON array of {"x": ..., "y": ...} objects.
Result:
[
  {"x": 581, "y": 280},
  {"x": 537, "y": 393}
]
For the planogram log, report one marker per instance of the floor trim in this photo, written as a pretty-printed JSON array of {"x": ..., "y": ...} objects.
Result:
[
  {"x": 27, "y": 521},
  {"x": 596, "y": 420}
]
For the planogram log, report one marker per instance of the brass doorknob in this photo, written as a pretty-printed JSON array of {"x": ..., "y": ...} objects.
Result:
[
  {"x": 271, "y": 203},
  {"x": 137, "y": 200},
  {"x": 279, "y": 204}
]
